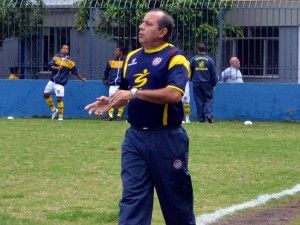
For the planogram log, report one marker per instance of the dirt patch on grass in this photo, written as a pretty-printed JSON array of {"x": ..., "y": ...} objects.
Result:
[{"x": 278, "y": 215}]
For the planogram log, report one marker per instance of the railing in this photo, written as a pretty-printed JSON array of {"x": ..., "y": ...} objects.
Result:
[{"x": 263, "y": 34}]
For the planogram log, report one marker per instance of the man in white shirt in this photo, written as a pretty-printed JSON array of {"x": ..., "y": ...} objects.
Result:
[{"x": 232, "y": 74}]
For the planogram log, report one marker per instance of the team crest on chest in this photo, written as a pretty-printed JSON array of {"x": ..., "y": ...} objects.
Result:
[{"x": 156, "y": 61}]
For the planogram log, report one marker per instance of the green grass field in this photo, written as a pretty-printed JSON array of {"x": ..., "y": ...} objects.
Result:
[{"x": 68, "y": 172}]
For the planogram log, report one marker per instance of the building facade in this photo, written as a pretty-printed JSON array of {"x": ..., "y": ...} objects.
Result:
[{"x": 267, "y": 44}]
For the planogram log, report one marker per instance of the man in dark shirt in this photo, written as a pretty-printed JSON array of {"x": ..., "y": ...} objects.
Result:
[
  {"x": 155, "y": 149},
  {"x": 204, "y": 80},
  {"x": 112, "y": 77},
  {"x": 61, "y": 65}
]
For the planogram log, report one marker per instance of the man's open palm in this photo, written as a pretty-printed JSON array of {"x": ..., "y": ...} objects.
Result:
[{"x": 99, "y": 107}]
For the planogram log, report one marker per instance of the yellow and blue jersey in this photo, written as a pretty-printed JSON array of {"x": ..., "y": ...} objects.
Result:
[
  {"x": 155, "y": 69},
  {"x": 62, "y": 76},
  {"x": 113, "y": 71},
  {"x": 13, "y": 77}
]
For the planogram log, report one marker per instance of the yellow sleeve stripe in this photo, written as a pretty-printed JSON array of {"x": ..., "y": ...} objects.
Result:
[
  {"x": 180, "y": 60},
  {"x": 165, "y": 115},
  {"x": 177, "y": 88},
  {"x": 127, "y": 59},
  {"x": 115, "y": 64}
]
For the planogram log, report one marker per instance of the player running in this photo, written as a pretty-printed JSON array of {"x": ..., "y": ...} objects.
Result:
[{"x": 61, "y": 66}]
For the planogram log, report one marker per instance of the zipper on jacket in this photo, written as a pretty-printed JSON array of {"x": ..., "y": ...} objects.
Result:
[{"x": 117, "y": 72}]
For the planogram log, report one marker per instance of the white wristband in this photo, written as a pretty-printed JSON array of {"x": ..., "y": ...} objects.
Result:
[{"x": 134, "y": 91}]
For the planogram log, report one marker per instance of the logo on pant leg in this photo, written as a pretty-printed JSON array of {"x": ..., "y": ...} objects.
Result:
[{"x": 177, "y": 164}]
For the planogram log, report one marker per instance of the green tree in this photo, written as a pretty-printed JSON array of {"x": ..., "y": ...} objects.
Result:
[
  {"x": 20, "y": 18},
  {"x": 194, "y": 21}
]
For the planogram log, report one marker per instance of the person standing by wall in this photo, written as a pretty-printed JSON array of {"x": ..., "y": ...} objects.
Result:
[
  {"x": 14, "y": 73},
  {"x": 232, "y": 74},
  {"x": 204, "y": 80},
  {"x": 112, "y": 77}
]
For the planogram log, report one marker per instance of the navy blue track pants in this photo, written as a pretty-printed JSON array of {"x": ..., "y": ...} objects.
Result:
[
  {"x": 156, "y": 158},
  {"x": 203, "y": 95}
]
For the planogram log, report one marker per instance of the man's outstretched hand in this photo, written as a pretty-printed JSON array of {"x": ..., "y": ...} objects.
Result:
[
  {"x": 103, "y": 104},
  {"x": 120, "y": 98},
  {"x": 99, "y": 107}
]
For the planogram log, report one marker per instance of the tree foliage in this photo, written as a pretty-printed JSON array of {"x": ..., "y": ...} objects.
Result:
[
  {"x": 120, "y": 19},
  {"x": 20, "y": 18}
]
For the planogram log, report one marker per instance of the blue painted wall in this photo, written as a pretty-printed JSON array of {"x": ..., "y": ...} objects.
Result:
[
  {"x": 253, "y": 101},
  {"x": 249, "y": 101},
  {"x": 24, "y": 98}
]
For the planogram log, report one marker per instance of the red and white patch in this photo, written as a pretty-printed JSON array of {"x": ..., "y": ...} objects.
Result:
[
  {"x": 177, "y": 164},
  {"x": 156, "y": 61}
]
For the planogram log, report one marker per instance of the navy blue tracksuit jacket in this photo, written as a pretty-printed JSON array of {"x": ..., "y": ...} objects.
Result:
[{"x": 204, "y": 80}]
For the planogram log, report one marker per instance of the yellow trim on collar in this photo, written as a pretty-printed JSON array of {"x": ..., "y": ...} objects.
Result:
[
  {"x": 158, "y": 49},
  {"x": 177, "y": 88}
]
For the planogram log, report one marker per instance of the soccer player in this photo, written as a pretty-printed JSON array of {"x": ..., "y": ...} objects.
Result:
[
  {"x": 14, "y": 73},
  {"x": 204, "y": 80},
  {"x": 112, "y": 77},
  {"x": 61, "y": 66},
  {"x": 155, "y": 149}
]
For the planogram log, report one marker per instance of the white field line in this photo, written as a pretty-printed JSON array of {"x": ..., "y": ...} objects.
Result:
[{"x": 209, "y": 218}]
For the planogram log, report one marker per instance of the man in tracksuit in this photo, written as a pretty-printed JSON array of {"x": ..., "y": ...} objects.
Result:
[
  {"x": 155, "y": 148},
  {"x": 112, "y": 77},
  {"x": 204, "y": 80}
]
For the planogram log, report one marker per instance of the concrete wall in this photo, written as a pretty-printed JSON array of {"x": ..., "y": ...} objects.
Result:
[
  {"x": 91, "y": 53},
  {"x": 23, "y": 98},
  {"x": 255, "y": 16},
  {"x": 257, "y": 101},
  {"x": 8, "y": 56},
  {"x": 288, "y": 54},
  {"x": 60, "y": 17}
]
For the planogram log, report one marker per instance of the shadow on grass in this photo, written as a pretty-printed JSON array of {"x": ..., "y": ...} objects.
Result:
[
  {"x": 10, "y": 196},
  {"x": 8, "y": 220},
  {"x": 99, "y": 217}
]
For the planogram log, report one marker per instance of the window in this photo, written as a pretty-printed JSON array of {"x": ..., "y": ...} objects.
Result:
[
  {"x": 258, "y": 51},
  {"x": 62, "y": 36},
  {"x": 54, "y": 38}
]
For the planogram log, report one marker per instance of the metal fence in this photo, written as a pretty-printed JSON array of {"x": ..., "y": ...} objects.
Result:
[{"x": 263, "y": 34}]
